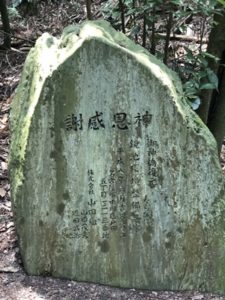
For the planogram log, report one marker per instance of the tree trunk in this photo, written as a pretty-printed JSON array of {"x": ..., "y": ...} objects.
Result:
[
  {"x": 153, "y": 44},
  {"x": 144, "y": 36},
  {"x": 88, "y": 8},
  {"x": 6, "y": 25},
  {"x": 168, "y": 32},
  {"x": 216, "y": 119},
  {"x": 212, "y": 109},
  {"x": 122, "y": 15}
]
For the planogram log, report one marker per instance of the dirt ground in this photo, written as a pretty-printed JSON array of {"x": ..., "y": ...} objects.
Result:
[{"x": 14, "y": 282}]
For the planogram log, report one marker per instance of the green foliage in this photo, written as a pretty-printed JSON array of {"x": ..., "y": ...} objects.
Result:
[
  {"x": 13, "y": 13},
  {"x": 147, "y": 19},
  {"x": 16, "y": 3},
  {"x": 222, "y": 2},
  {"x": 203, "y": 78}
]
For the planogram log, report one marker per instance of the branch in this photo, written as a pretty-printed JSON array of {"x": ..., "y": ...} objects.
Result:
[
  {"x": 6, "y": 24},
  {"x": 177, "y": 37}
]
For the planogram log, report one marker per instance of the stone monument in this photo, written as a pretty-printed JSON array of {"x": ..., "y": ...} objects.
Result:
[{"x": 114, "y": 178}]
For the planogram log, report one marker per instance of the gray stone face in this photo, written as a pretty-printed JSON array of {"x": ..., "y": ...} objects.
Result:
[{"x": 114, "y": 179}]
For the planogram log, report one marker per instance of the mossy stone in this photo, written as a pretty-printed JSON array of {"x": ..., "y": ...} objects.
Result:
[{"x": 114, "y": 179}]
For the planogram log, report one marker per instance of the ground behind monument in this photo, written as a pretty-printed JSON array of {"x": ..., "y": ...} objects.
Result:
[{"x": 14, "y": 283}]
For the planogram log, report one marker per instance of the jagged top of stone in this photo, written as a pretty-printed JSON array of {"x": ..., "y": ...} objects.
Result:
[{"x": 49, "y": 53}]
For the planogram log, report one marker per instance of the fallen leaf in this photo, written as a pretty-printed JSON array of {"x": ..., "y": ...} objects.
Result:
[
  {"x": 4, "y": 119},
  {"x": 197, "y": 297},
  {"x": 3, "y": 131},
  {"x": 2, "y": 192},
  {"x": 9, "y": 269},
  {"x": 2, "y": 227},
  {"x": 10, "y": 224},
  {"x": 4, "y": 166},
  {"x": 8, "y": 204}
]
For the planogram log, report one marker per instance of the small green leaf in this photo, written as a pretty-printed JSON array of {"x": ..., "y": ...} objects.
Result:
[
  {"x": 213, "y": 79},
  {"x": 207, "y": 86},
  {"x": 196, "y": 103},
  {"x": 222, "y": 2},
  {"x": 207, "y": 54}
]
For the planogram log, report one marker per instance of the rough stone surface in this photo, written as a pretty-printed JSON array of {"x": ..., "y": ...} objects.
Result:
[{"x": 114, "y": 179}]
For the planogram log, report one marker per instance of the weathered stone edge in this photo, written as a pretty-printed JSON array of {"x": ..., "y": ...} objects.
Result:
[
  {"x": 102, "y": 30},
  {"x": 50, "y": 52}
]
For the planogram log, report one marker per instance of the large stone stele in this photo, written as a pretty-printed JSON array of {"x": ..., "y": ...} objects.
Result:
[{"x": 114, "y": 179}]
